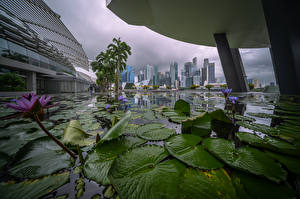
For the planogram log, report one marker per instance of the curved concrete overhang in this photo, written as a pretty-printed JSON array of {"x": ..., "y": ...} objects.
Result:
[{"x": 195, "y": 21}]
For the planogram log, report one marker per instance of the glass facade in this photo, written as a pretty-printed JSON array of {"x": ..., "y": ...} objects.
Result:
[{"x": 43, "y": 26}]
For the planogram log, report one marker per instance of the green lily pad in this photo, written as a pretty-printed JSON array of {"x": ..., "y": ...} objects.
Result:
[
  {"x": 131, "y": 129},
  {"x": 220, "y": 116},
  {"x": 178, "y": 119},
  {"x": 255, "y": 187},
  {"x": 118, "y": 129},
  {"x": 39, "y": 158},
  {"x": 157, "y": 134},
  {"x": 149, "y": 115},
  {"x": 245, "y": 158},
  {"x": 183, "y": 107},
  {"x": 3, "y": 159},
  {"x": 75, "y": 136},
  {"x": 199, "y": 125},
  {"x": 292, "y": 163},
  {"x": 207, "y": 184},
  {"x": 149, "y": 127},
  {"x": 99, "y": 161},
  {"x": 140, "y": 173},
  {"x": 33, "y": 189},
  {"x": 185, "y": 148},
  {"x": 267, "y": 142}
]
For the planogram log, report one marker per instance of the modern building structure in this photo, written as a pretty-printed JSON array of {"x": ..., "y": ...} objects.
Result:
[
  {"x": 36, "y": 45},
  {"x": 127, "y": 75},
  {"x": 256, "y": 83},
  {"x": 156, "y": 76},
  {"x": 234, "y": 24},
  {"x": 174, "y": 73},
  {"x": 211, "y": 73}
]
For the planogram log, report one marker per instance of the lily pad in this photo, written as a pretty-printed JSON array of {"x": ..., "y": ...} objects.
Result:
[
  {"x": 33, "y": 189},
  {"x": 149, "y": 127},
  {"x": 292, "y": 163},
  {"x": 140, "y": 173},
  {"x": 183, "y": 107},
  {"x": 267, "y": 142},
  {"x": 178, "y": 119},
  {"x": 39, "y": 158},
  {"x": 245, "y": 158},
  {"x": 99, "y": 161},
  {"x": 75, "y": 136},
  {"x": 118, "y": 129},
  {"x": 255, "y": 187},
  {"x": 207, "y": 184},
  {"x": 185, "y": 148},
  {"x": 199, "y": 125},
  {"x": 157, "y": 134}
]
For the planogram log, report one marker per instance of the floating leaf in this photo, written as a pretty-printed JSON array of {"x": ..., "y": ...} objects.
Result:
[
  {"x": 177, "y": 119},
  {"x": 220, "y": 116},
  {"x": 267, "y": 142},
  {"x": 3, "y": 159},
  {"x": 185, "y": 148},
  {"x": 245, "y": 158},
  {"x": 118, "y": 129},
  {"x": 99, "y": 161},
  {"x": 149, "y": 115},
  {"x": 199, "y": 125},
  {"x": 292, "y": 163},
  {"x": 149, "y": 127},
  {"x": 255, "y": 187},
  {"x": 39, "y": 158},
  {"x": 140, "y": 173},
  {"x": 183, "y": 107},
  {"x": 75, "y": 136},
  {"x": 33, "y": 189},
  {"x": 207, "y": 184},
  {"x": 157, "y": 134}
]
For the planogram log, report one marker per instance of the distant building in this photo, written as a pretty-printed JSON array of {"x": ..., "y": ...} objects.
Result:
[
  {"x": 128, "y": 75},
  {"x": 174, "y": 73},
  {"x": 256, "y": 83},
  {"x": 272, "y": 83},
  {"x": 250, "y": 81},
  {"x": 197, "y": 80},
  {"x": 211, "y": 73},
  {"x": 155, "y": 76}
]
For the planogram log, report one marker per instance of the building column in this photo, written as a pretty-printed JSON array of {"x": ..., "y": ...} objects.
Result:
[
  {"x": 232, "y": 64},
  {"x": 31, "y": 81},
  {"x": 284, "y": 34}
]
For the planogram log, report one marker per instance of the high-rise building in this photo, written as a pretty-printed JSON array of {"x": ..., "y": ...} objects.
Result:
[
  {"x": 37, "y": 45},
  {"x": 174, "y": 73},
  {"x": 127, "y": 75},
  {"x": 155, "y": 76},
  {"x": 195, "y": 61},
  {"x": 256, "y": 83},
  {"x": 211, "y": 73}
]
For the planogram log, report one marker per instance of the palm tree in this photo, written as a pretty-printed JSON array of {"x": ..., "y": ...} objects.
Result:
[
  {"x": 119, "y": 52},
  {"x": 104, "y": 66}
]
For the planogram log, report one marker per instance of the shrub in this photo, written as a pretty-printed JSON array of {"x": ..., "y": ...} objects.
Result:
[
  {"x": 12, "y": 82},
  {"x": 168, "y": 87},
  {"x": 146, "y": 87},
  {"x": 251, "y": 86},
  {"x": 155, "y": 87},
  {"x": 209, "y": 86},
  {"x": 129, "y": 86},
  {"x": 194, "y": 86}
]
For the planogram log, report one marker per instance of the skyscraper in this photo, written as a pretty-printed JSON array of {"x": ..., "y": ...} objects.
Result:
[
  {"x": 155, "y": 76},
  {"x": 211, "y": 73},
  {"x": 174, "y": 73}
]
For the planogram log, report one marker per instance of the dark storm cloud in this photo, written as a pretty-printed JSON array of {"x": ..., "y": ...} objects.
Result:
[{"x": 95, "y": 26}]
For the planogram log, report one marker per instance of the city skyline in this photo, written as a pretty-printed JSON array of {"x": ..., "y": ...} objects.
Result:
[{"x": 98, "y": 26}]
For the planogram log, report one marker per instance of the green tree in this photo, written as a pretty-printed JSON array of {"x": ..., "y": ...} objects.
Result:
[
  {"x": 118, "y": 52},
  {"x": 104, "y": 66},
  {"x": 223, "y": 86},
  {"x": 209, "y": 86},
  {"x": 12, "y": 82},
  {"x": 251, "y": 86}
]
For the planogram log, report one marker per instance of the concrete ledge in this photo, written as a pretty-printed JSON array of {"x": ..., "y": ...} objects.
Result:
[{"x": 13, "y": 93}]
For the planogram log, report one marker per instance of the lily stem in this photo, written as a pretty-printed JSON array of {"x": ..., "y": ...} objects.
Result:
[
  {"x": 79, "y": 154},
  {"x": 54, "y": 138}
]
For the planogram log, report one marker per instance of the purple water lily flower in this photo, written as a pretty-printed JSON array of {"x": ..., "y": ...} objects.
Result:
[
  {"x": 124, "y": 100},
  {"x": 233, "y": 99},
  {"x": 226, "y": 92},
  {"x": 120, "y": 98},
  {"x": 23, "y": 105},
  {"x": 107, "y": 106},
  {"x": 28, "y": 95}
]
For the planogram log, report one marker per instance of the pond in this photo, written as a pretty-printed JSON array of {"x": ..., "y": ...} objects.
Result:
[{"x": 177, "y": 144}]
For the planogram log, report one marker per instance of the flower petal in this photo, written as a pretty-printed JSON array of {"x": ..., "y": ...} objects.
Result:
[{"x": 16, "y": 107}]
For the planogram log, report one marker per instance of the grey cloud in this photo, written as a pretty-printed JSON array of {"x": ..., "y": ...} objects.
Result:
[{"x": 95, "y": 26}]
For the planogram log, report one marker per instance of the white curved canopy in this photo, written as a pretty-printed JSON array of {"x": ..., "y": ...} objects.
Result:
[{"x": 195, "y": 21}]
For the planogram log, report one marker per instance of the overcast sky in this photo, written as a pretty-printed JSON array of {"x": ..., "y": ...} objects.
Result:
[{"x": 94, "y": 26}]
